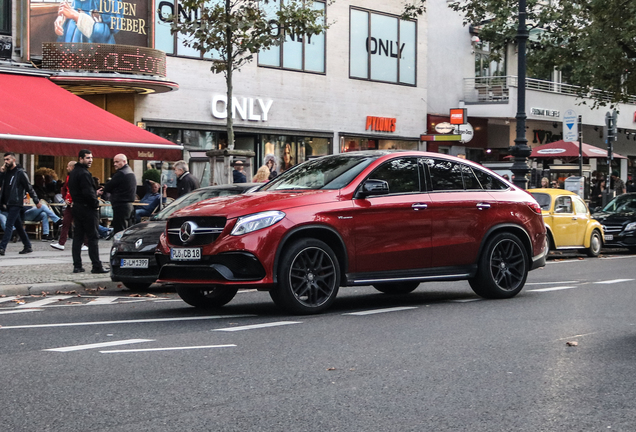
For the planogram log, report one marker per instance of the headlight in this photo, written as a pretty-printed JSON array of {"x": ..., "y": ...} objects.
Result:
[
  {"x": 630, "y": 226},
  {"x": 113, "y": 250},
  {"x": 247, "y": 224},
  {"x": 119, "y": 235}
]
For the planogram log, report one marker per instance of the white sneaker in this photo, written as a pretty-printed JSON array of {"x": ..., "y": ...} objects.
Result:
[
  {"x": 57, "y": 245},
  {"x": 84, "y": 247}
]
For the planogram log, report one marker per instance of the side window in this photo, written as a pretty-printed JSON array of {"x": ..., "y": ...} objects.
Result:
[
  {"x": 563, "y": 204},
  {"x": 581, "y": 208},
  {"x": 470, "y": 180},
  {"x": 489, "y": 181},
  {"x": 402, "y": 175},
  {"x": 445, "y": 175}
]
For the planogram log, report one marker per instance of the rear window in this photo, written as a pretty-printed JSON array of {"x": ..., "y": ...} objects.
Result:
[{"x": 543, "y": 200}]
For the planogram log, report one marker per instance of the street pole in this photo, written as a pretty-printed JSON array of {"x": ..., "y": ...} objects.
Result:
[
  {"x": 520, "y": 150},
  {"x": 580, "y": 146}
]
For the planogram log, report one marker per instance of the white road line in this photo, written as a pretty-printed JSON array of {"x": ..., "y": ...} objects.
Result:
[
  {"x": 613, "y": 281},
  {"x": 7, "y": 299},
  {"x": 166, "y": 349},
  {"x": 98, "y": 345},
  {"x": 46, "y": 301},
  {"x": 577, "y": 336},
  {"x": 123, "y": 322},
  {"x": 552, "y": 289},
  {"x": 98, "y": 301},
  {"x": 464, "y": 300},
  {"x": 551, "y": 283},
  {"x": 616, "y": 257},
  {"x": 20, "y": 311},
  {"x": 377, "y": 311},
  {"x": 258, "y": 326}
]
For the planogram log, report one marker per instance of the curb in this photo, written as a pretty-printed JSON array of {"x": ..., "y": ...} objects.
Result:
[{"x": 37, "y": 288}]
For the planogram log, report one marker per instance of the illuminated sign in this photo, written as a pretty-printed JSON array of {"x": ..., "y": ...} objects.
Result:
[
  {"x": 244, "y": 107},
  {"x": 104, "y": 58},
  {"x": 381, "y": 124},
  {"x": 458, "y": 116}
]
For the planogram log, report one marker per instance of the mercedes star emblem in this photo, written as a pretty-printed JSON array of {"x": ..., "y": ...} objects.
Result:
[{"x": 187, "y": 231}]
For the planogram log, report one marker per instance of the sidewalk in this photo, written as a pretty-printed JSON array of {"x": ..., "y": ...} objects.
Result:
[{"x": 50, "y": 270}]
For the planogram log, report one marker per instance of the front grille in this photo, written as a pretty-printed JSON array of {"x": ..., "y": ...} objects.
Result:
[
  {"x": 206, "y": 230},
  {"x": 612, "y": 229}
]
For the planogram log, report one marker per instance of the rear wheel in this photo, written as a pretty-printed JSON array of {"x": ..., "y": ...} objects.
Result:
[
  {"x": 595, "y": 244},
  {"x": 308, "y": 278},
  {"x": 503, "y": 268},
  {"x": 397, "y": 287},
  {"x": 210, "y": 297}
]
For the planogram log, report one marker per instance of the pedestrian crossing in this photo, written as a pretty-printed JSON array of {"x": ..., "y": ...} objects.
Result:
[{"x": 13, "y": 303}]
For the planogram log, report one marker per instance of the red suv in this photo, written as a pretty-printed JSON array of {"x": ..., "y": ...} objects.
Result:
[{"x": 387, "y": 219}]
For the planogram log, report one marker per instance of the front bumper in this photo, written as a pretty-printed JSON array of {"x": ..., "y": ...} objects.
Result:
[
  {"x": 625, "y": 239},
  {"x": 237, "y": 267},
  {"x": 137, "y": 275}
]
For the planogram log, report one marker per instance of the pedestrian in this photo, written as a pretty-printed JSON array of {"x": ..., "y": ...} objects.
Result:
[
  {"x": 186, "y": 182},
  {"x": 151, "y": 199},
  {"x": 122, "y": 188},
  {"x": 85, "y": 213},
  {"x": 619, "y": 184},
  {"x": 545, "y": 182},
  {"x": 238, "y": 175},
  {"x": 596, "y": 198},
  {"x": 43, "y": 214},
  {"x": 67, "y": 214},
  {"x": 15, "y": 184},
  {"x": 262, "y": 175},
  {"x": 270, "y": 161}
]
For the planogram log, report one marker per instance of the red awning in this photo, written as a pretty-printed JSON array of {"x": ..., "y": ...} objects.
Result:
[
  {"x": 38, "y": 117},
  {"x": 560, "y": 149}
]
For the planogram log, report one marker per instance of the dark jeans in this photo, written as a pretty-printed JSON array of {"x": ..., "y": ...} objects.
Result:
[
  {"x": 14, "y": 219},
  {"x": 123, "y": 214},
  {"x": 86, "y": 221}
]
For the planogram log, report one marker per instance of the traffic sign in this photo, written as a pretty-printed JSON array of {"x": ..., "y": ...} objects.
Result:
[{"x": 570, "y": 126}]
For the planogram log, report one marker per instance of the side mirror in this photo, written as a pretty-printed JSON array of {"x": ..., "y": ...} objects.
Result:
[{"x": 373, "y": 187}]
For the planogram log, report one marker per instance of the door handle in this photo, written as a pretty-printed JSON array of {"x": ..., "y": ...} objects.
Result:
[
  {"x": 418, "y": 206},
  {"x": 574, "y": 218},
  {"x": 483, "y": 206}
]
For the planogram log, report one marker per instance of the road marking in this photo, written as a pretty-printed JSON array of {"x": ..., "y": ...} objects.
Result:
[
  {"x": 124, "y": 322},
  {"x": 377, "y": 311},
  {"x": 99, "y": 301},
  {"x": 464, "y": 300},
  {"x": 551, "y": 283},
  {"x": 7, "y": 299},
  {"x": 258, "y": 326},
  {"x": 576, "y": 336},
  {"x": 613, "y": 281},
  {"x": 615, "y": 257},
  {"x": 552, "y": 289},
  {"x": 46, "y": 301},
  {"x": 98, "y": 345},
  {"x": 166, "y": 349},
  {"x": 20, "y": 311}
]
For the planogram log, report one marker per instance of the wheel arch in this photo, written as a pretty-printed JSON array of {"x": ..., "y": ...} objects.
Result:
[
  {"x": 591, "y": 227},
  {"x": 319, "y": 232},
  {"x": 520, "y": 232},
  {"x": 551, "y": 239}
]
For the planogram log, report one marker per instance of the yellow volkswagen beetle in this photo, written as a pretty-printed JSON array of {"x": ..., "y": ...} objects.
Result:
[{"x": 568, "y": 221}]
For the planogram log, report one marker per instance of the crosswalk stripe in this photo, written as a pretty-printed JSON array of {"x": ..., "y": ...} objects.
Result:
[
  {"x": 20, "y": 311},
  {"x": 98, "y": 345},
  {"x": 258, "y": 326},
  {"x": 46, "y": 301},
  {"x": 7, "y": 299},
  {"x": 613, "y": 281},
  {"x": 98, "y": 301},
  {"x": 552, "y": 289}
]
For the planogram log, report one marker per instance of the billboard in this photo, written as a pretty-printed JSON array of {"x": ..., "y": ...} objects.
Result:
[{"x": 88, "y": 21}]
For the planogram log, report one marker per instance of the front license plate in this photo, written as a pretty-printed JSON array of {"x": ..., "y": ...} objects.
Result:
[
  {"x": 134, "y": 263},
  {"x": 185, "y": 254},
  {"x": 609, "y": 237}
]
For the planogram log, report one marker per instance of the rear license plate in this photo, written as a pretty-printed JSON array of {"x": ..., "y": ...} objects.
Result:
[
  {"x": 185, "y": 254},
  {"x": 134, "y": 263},
  {"x": 609, "y": 237}
]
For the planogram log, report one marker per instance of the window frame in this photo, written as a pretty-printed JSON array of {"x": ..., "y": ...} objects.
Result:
[
  {"x": 6, "y": 11},
  {"x": 421, "y": 176}
]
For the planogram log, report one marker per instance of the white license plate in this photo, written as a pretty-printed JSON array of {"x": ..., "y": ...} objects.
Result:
[
  {"x": 185, "y": 254},
  {"x": 134, "y": 263},
  {"x": 609, "y": 237}
]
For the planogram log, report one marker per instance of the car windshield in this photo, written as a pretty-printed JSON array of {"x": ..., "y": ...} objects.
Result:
[
  {"x": 329, "y": 172},
  {"x": 621, "y": 204},
  {"x": 194, "y": 197},
  {"x": 543, "y": 200}
]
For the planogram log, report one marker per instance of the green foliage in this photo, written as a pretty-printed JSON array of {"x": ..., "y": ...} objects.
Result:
[
  {"x": 152, "y": 175},
  {"x": 592, "y": 41}
]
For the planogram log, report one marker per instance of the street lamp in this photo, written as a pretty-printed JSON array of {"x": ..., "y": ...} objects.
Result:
[{"x": 520, "y": 150}]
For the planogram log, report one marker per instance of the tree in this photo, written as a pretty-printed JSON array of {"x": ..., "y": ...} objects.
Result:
[
  {"x": 234, "y": 30},
  {"x": 593, "y": 42}
]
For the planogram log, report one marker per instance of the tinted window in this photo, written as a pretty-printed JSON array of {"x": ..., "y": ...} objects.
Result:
[
  {"x": 402, "y": 175},
  {"x": 489, "y": 181},
  {"x": 470, "y": 180},
  {"x": 563, "y": 204},
  {"x": 195, "y": 197},
  {"x": 445, "y": 174},
  {"x": 544, "y": 200},
  {"x": 622, "y": 203}
]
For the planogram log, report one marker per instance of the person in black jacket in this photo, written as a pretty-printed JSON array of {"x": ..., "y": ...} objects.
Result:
[
  {"x": 15, "y": 183},
  {"x": 186, "y": 182},
  {"x": 85, "y": 213},
  {"x": 122, "y": 189}
]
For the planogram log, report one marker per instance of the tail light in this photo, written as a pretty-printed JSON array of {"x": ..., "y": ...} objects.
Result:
[{"x": 535, "y": 207}]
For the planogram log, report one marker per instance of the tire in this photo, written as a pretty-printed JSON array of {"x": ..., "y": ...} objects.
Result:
[
  {"x": 206, "y": 298},
  {"x": 308, "y": 278},
  {"x": 503, "y": 268},
  {"x": 596, "y": 243},
  {"x": 397, "y": 287},
  {"x": 137, "y": 286}
]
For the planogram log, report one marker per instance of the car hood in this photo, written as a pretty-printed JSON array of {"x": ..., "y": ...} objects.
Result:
[
  {"x": 620, "y": 218},
  {"x": 149, "y": 233},
  {"x": 240, "y": 205}
]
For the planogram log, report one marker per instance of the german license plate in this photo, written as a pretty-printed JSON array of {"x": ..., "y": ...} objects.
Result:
[
  {"x": 134, "y": 263},
  {"x": 185, "y": 254},
  {"x": 609, "y": 237}
]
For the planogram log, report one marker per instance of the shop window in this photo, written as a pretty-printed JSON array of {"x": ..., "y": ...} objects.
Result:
[
  {"x": 402, "y": 175},
  {"x": 289, "y": 150},
  {"x": 382, "y": 48},
  {"x": 297, "y": 52},
  {"x": 5, "y": 17},
  {"x": 349, "y": 144}
]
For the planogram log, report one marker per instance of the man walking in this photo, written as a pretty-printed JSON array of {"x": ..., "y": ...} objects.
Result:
[
  {"x": 186, "y": 182},
  {"x": 85, "y": 213},
  {"x": 15, "y": 184},
  {"x": 67, "y": 216},
  {"x": 123, "y": 189}
]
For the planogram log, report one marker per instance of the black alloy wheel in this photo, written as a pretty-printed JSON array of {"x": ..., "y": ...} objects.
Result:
[
  {"x": 396, "y": 287},
  {"x": 209, "y": 297},
  {"x": 503, "y": 268},
  {"x": 308, "y": 278}
]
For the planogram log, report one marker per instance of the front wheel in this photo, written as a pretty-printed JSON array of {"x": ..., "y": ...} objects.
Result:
[
  {"x": 503, "y": 268},
  {"x": 396, "y": 287},
  {"x": 595, "y": 244},
  {"x": 209, "y": 297},
  {"x": 308, "y": 278}
]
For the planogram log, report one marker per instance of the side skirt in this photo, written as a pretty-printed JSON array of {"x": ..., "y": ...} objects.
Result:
[{"x": 419, "y": 275}]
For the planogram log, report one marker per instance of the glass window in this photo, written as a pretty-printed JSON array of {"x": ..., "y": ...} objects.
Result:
[
  {"x": 298, "y": 52},
  {"x": 382, "y": 48},
  {"x": 563, "y": 204},
  {"x": 581, "y": 208},
  {"x": 470, "y": 180},
  {"x": 402, "y": 175},
  {"x": 543, "y": 199},
  {"x": 5, "y": 17},
  {"x": 445, "y": 175},
  {"x": 489, "y": 181},
  {"x": 484, "y": 65}
]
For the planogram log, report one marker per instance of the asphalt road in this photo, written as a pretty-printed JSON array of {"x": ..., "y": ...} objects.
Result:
[{"x": 439, "y": 359}]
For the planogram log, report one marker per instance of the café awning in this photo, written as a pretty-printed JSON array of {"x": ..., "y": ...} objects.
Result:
[
  {"x": 564, "y": 149},
  {"x": 38, "y": 117}
]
